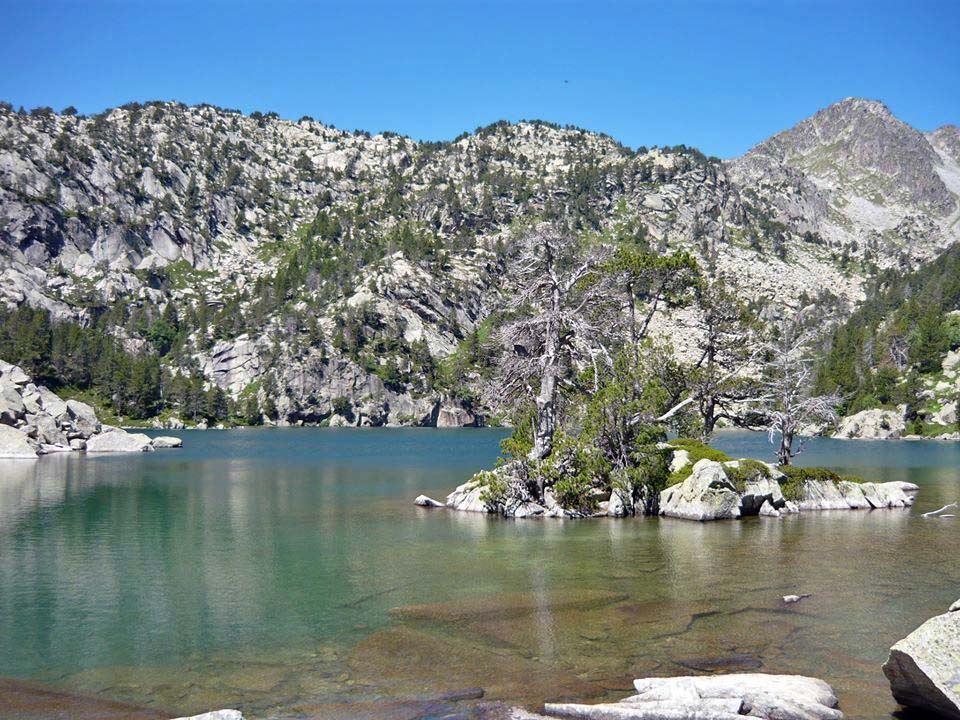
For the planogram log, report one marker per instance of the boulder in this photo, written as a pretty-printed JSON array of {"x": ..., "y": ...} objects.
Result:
[
  {"x": 768, "y": 510},
  {"x": 83, "y": 418},
  {"x": 523, "y": 509},
  {"x": 886, "y": 495},
  {"x": 715, "y": 697},
  {"x": 78, "y": 444},
  {"x": 706, "y": 495},
  {"x": 13, "y": 374},
  {"x": 47, "y": 430},
  {"x": 467, "y": 497},
  {"x": 873, "y": 424},
  {"x": 14, "y": 444},
  {"x": 31, "y": 403},
  {"x": 946, "y": 415},
  {"x": 51, "y": 403},
  {"x": 853, "y": 495},
  {"x": 166, "y": 441},
  {"x": 822, "y": 495},
  {"x": 760, "y": 491},
  {"x": 424, "y": 501},
  {"x": 679, "y": 460},
  {"x": 455, "y": 416},
  {"x": 117, "y": 440},
  {"x": 11, "y": 403},
  {"x": 924, "y": 667},
  {"x": 216, "y": 715}
]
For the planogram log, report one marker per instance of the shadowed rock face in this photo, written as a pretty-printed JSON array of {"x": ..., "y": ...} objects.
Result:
[{"x": 924, "y": 667}]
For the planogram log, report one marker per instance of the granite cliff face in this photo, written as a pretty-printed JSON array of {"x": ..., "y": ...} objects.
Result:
[{"x": 341, "y": 273}]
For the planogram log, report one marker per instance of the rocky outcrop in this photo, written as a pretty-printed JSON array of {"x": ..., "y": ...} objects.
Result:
[
  {"x": 717, "y": 697},
  {"x": 874, "y": 424},
  {"x": 706, "y": 495},
  {"x": 37, "y": 422},
  {"x": 924, "y": 667},
  {"x": 709, "y": 494}
]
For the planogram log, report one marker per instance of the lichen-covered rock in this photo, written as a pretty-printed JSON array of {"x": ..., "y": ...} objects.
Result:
[
  {"x": 924, "y": 667},
  {"x": 707, "y": 494}
]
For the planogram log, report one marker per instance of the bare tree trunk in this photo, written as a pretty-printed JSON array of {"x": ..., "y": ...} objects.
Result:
[{"x": 784, "y": 453}]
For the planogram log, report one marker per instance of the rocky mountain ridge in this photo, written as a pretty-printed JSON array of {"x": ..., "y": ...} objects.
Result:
[{"x": 341, "y": 274}]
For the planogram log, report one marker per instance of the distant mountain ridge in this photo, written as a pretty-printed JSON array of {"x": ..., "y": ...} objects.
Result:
[{"x": 341, "y": 273}]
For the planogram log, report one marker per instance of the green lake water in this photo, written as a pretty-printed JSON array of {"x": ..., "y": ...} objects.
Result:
[{"x": 286, "y": 571}]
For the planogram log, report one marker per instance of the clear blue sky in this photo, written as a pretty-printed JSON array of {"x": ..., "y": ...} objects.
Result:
[{"x": 720, "y": 76}]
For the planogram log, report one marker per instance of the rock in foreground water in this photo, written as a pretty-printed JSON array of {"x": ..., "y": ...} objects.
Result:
[
  {"x": 715, "y": 697},
  {"x": 924, "y": 667},
  {"x": 216, "y": 715},
  {"x": 117, "y": 440}
]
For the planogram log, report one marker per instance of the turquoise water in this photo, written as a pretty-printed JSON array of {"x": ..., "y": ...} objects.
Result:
[{"x": 285, "y": 570}]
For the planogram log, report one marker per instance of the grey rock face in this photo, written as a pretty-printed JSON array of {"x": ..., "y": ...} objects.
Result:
[
  {"x": 466, "y": 497},
  {"x": 924, "y": 667},
  {"x": 872, "y": 425},
  {"x": 14, "y": 444},
  {"x": 706, "y": 495},
  {"x": 83, "y": 418}
]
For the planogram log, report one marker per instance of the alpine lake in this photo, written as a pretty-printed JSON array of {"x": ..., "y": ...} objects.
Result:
[{"x": 287, "y": 573}]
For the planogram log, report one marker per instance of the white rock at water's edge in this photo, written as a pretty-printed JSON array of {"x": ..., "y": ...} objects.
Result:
[
  {"x": 425, "y": 501},
  {"x": 216, "y": 715},
  {"x": 117, "y": 440},
  {"x": 707, "y": 494},
  {"x": 15, "y": 445},
  {"x": 714, "y": 697},
  {"x": 166, "y": 441}
]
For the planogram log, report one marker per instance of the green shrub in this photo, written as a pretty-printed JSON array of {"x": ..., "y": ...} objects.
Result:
[
  {"x": 794, "y": 478},
  {"x": 697, "y": 451},
  {"x": 744, "y": 471},
  {"x": 494, "y": 487}
]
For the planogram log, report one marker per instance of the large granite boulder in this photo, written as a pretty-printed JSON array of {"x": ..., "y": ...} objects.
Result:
[
  {"x": 166, "y": 441},
  {"x": 12, "y": 408},
  {"x": 13, "y": 374},
  {"x": 15, "y": 444},
  {"x": 83, "y": 418},
  {"x": 715, "y": 697},
  {"x": 924, "y": 667},
  {"x": 467, "y": 497},
  {"x": 706, "y": 495},
  {"x": 117, "y": 440},
  {"x": 51, "y": 403},
  {"x": 874, "y": 424}
]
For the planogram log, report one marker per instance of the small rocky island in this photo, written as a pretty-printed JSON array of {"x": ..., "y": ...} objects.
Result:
[
  {"x": 35, "y": 421},
  {"x": 704, "y": 485}
]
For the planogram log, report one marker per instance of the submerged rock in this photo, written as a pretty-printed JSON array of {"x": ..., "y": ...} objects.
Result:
[
  {"x": 715, "y": 697},
  {"x": 216, "y": 715},
  {"x": 924, "y": 667}
]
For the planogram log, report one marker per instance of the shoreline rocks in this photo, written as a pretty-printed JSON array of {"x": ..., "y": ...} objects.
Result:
[
  {"x": 924, "y": 667},
  {"x": 710, "y": 494},
  {"x": 34, "y": 421}
]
